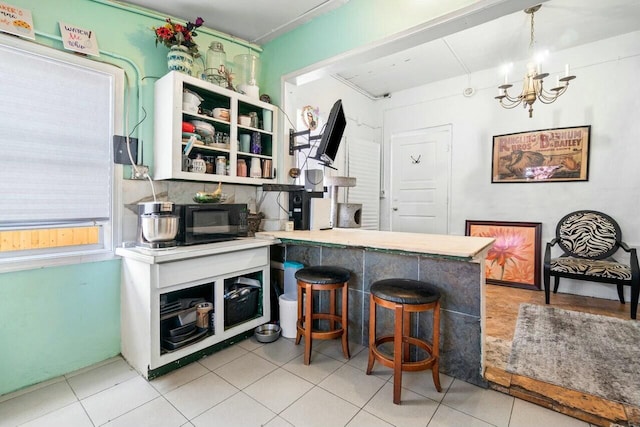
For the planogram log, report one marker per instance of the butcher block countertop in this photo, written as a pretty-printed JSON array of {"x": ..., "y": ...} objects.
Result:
[{"x": 424, "y": 244}]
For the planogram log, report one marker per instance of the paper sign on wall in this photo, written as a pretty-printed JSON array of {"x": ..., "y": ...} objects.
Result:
[
  {"x": 78, "y": 39},
  {"x": 14, "y": 20}
]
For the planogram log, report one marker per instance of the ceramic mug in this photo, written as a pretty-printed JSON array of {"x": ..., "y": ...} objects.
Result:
[{"x": 199, "y": 165}]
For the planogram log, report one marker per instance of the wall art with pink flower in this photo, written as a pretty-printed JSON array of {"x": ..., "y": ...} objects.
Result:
[{"x": 514, "y": 258}]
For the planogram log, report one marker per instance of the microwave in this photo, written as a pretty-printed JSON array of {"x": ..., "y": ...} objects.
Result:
[{"x": 208, "y": 223}]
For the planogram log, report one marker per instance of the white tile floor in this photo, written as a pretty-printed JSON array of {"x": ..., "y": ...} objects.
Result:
[{"x": 251, "y": 384}]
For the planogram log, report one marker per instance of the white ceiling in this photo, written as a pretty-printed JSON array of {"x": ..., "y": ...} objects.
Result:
[
  {"x": 256, "y": 21},
  {"x": 559, "y": 24},
  {"x": 440, "y": 53}
]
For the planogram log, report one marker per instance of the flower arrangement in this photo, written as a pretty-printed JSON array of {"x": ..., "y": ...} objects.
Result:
[{"x": 172, "y": 34}]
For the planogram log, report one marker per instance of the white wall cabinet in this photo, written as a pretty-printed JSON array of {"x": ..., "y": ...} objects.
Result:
[
  {"x": 151, "y": 280},
  {"x": 170, "y": 141}
]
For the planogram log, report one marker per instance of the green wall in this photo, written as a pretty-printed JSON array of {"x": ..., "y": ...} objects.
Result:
[{"x": 56, "y": 320}]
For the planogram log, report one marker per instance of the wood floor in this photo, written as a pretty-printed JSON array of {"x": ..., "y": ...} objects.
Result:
[{"x": 502, "y": 304}]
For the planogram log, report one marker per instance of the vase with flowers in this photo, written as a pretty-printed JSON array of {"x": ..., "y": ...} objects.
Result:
[{"x": 179, "y": 39}]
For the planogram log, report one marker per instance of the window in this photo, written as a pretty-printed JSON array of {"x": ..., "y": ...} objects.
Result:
[{"x": 58, "y": 115}]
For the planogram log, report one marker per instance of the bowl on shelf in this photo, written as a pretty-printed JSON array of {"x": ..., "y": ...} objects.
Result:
[
  {"x": 244, "y": 120},
  {"x": 189, "y": 108},
  {"x": 203, "y": 128},
  {"x": 269, "y": 332},
  {"x": 221, "y": 114},
  {"x": 191, "y": 98},
  {"x": 204, "y": 197}
]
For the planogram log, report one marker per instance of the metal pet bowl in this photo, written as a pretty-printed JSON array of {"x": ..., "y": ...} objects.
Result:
[{"x": 269, "y": 332}]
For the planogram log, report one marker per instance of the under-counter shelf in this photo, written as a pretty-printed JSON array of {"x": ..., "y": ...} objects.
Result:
[
  {"x": 170, "y": 143},
  {"x": 152, "y": 339}
]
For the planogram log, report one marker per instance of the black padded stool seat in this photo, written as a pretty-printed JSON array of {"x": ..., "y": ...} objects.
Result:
[
  {"x": 405, "y": 291},
  {"x": 317, "y": 279},
  {"x": 404, "y": 296},
  {"x": 323, "y": 274}
]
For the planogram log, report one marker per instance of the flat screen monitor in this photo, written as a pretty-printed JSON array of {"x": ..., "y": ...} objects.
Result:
[{"x": 333, "y": 131}]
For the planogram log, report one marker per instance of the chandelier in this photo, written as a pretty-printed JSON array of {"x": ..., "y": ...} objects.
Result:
[{"x": 532, "y": 85}]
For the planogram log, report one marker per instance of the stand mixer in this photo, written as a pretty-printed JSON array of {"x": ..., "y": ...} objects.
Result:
[{"x": 157, "y": 225}]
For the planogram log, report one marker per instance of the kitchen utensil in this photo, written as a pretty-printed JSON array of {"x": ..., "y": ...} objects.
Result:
[
  {"x": 256, "y": 143},
  {"x": 203, "y": 128},
  {"x": 188, "y": 127},
  {"x": 198, "y": 165},
  {"x": 158, "y": 228},
  {"x": 244, "y": 120},
  {"x": 241, "y": 168},
  {"x": 221, "y": 165},
  {"x": 202, "y": 318},
  {"x": 251, "y": 91},
  {"x": 189, "y": 135},
  {"x": 186, "y": 163},
  {"x": 221, "y": 114},
  {"x": 191, "y": 98},
  {"x": 266, "y": 168},
  {"x": 255, "y": 123},
  {"x": 189, "y": 108},
  {"x": 245, "y": 141},
  {"x": 256, "y": 169},
  {"x": 269, "y": 332},
  {"x": 267, "y": 117}
]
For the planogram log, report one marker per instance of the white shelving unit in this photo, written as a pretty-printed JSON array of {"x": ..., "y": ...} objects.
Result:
[
  {"x": 189, "y": 272},
  {"x": 169, "y": 143}
]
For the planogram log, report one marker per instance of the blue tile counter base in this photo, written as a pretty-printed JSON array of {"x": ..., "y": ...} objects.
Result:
[{"x": 457, "y": 278}]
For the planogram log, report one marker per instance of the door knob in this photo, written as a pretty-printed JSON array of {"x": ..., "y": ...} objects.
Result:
[{"x": 395, "y": 209}]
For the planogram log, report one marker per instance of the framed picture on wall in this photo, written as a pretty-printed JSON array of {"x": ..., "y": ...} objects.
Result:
[
  {"x": 560, "y": 154},
  {"x": 514, "y": 258}
]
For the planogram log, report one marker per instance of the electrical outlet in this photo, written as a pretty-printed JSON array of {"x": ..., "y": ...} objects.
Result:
[
  {"x": 120, "y": 152},
  {"x": 142, "y": 173}
]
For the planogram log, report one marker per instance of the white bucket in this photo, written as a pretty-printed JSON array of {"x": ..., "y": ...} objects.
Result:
[{"x": 288, "y": 315}]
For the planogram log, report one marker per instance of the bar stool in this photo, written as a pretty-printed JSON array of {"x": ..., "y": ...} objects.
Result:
[
  {"x": 322, "y": 278},
  {"x": 404, "y": 296}
]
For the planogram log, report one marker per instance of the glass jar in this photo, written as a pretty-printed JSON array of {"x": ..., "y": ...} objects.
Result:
[
  {"x": 241, "y": 168},
  {"x": 221, "y": 165},
  {"x": 216, "y": 60}
]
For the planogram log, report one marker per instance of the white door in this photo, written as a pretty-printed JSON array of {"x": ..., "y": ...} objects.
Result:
[{"x": 420, "y": 170}]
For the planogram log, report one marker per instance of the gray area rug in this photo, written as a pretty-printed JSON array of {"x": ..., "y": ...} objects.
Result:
[{"x": 593, "y": 354}]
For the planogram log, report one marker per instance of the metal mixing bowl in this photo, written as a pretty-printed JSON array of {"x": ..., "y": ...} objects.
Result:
[
  {"x": 159, "y": 228},
  {"x": 269, "y": 332}
]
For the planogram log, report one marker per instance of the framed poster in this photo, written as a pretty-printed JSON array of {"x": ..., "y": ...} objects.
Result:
[
  {"x": 514, "y": 258},
  {"x": 548, "y": 155}
]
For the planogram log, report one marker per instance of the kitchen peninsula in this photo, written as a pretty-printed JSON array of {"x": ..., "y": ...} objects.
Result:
[{"x": 455, "y": 264}]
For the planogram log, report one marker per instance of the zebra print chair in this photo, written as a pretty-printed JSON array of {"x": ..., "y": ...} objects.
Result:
[{"x": 588, "y": 240}]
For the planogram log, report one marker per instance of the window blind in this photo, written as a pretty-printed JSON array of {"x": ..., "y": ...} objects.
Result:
[{"x": 56, "y": 127}]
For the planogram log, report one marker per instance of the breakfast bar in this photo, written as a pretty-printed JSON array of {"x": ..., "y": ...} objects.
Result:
[{"x": 454, "y": 264}]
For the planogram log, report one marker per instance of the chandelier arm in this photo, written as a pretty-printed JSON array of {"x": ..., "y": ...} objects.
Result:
[
  {"x": 512, "y": 99},
  {"x": 549, "y": 97},
  {"x": 510, "y": 106}
]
